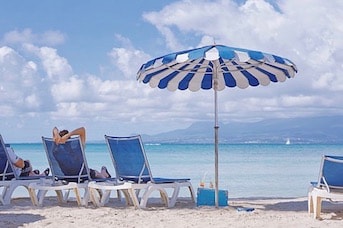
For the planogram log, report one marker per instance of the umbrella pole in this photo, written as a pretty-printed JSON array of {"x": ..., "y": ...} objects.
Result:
[{"x": 216, "y": 128}]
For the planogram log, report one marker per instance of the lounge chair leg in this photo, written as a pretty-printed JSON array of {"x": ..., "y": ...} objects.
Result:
[
  {"x": 7, "y": 194},
  {"x": 148, "y": 191},
  {"x": 192, "y": 192},
  {"x": 41, "y": 197},
  {"x": 133, "y": 197},
  {"x": 310, "y": 203},
  {"x": 173, "y": 199},
  {"x": 3, "y": 194},
  {"x": 165, "y": 198},
  {"x": 78, "y": 198},
  {"x": 85, "y": 199},
  {"x": 33, "y": 197},
  {"x": 119, "y": 195},
  {"x": 59, "y": 196},
  {"x": 105, "y": 197},
  {"x": 94, "y": 198},
  {"x": 66, "y": 195},
  {"x": 317, "y": 206},
  {"x": 127, "y": 196}
]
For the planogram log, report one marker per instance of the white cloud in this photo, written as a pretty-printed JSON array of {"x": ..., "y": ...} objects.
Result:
[
  {"x": 127, "y": 59},
  {"x": 307, "y": 32},
  {"x": 56, "y": 67},
  {"x": 27, "y": 36},
  {"x": 19, "y": 82},
  {"x": 40, "y": 84},
  {"x": 300, "y": 101},
  {"x": 71, "y": 89},
  {"x": 32, "y": 101},
  {"x": 253, "y": 23},
  {"x": 329, "y": 81}
]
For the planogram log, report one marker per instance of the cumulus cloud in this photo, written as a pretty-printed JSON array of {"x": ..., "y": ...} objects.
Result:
[
  {"x": 19, "y": 83},
  {"x": 50, "y": 37},
  {"x": 37, "y": 80},
  {"x": 310, "y": 38},
  {"x": 126, "y": 58},
  {"x": 56, "y": 67},
  {"x": 71, "y": 89}
]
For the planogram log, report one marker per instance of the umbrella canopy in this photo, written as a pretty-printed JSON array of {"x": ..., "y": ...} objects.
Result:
[{"x": 215, "y": 67}]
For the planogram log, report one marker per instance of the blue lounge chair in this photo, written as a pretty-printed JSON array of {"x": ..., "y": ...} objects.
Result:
[
  {"x": 131, "y": 165},
  {"x": 329, "y": 185},
  {"x": 69, "y": 170},
  {"x": 6, "y": 174},
  {"x": 10, "y": 180}
]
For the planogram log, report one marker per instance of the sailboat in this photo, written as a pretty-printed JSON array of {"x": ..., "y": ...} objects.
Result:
[{"x": 288, "y": 141}]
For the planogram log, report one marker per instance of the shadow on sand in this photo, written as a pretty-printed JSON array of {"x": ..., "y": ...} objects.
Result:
[
  {"x": 332, "y": 210},
  {"x": 7, "y": 219}
]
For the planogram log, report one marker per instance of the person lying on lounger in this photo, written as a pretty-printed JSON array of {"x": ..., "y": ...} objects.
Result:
[
  {"x": 61, "y": 137},
  {"x": 23, "y": 167}
]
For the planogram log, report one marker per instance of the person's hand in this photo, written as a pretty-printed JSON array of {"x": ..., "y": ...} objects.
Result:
[
  {"x": 64, "y": 138},
  {"x": 56, "y": 135},
  {"x": 57, "y": 138}
]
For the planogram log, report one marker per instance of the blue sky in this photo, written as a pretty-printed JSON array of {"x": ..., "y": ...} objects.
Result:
[{"x": 74, "y": 63}]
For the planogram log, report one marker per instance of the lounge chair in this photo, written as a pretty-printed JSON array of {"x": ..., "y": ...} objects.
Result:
[
  {"x": 9, "y": 179},
  {"x": 69, "y": 169},
  {"x": 131, "y": 165},
  {"x": 6, "y": 175},
  {"x": 329, "y": 185},
  {"x": 100, "y": 192}
]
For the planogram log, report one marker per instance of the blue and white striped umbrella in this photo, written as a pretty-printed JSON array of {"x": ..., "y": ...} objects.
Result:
[
  {"x": 215, "y": 67},
  {"x": 200, "y": 68}
]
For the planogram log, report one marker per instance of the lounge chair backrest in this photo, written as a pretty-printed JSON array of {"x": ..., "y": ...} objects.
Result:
[
  {"x": 331, "y": 172},
  {"x": 67, "y": 161},
  {"x": 129, "y": 158},
  {"x": 5, "y": 165}
]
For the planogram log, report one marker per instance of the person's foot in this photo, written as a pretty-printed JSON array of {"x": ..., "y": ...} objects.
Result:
[
  {"x": 104, "y": 171},
  {"x": 92, "y": 173},
  {"x": 36, "y": 172},
  {"x": 47, "y": 171}
]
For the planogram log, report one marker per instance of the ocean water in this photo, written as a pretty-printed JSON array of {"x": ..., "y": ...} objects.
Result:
[{"x": 245, "y": 170}]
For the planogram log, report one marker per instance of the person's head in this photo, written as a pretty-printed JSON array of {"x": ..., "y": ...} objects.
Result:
[{"x": 63, "y": 132}]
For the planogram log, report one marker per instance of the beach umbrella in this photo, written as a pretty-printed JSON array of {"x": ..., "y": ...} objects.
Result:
[{"x": 215, "y": 67}]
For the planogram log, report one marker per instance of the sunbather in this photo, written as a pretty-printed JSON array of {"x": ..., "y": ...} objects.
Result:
[
  {"x": 23, "y": 167},
  {"x": 61, "y": 137}
]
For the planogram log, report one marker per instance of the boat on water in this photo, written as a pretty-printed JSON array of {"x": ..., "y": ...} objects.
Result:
[{"x": 288, "y": 141}]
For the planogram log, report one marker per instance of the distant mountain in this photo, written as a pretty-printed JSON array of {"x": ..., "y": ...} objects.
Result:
[{"x": 297, "y": 130}]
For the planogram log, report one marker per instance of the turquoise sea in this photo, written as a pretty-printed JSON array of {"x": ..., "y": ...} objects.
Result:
[{"x": 245, "y": 170}]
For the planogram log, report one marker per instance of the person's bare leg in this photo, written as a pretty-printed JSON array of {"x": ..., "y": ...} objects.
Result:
[
  {"x": 99, "y": 175},
  {"x": 105, "y": 172}
]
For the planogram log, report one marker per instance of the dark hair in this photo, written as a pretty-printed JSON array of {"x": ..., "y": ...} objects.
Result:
[{"x": 63, "y": 132}]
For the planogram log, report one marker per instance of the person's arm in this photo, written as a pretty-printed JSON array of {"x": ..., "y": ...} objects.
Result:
[
  {"x": 80, "y": 132},
  {"x": 20, "y": 163},
  {"x": 55, "y": 134},
  {"x": 17, "y": 161}
]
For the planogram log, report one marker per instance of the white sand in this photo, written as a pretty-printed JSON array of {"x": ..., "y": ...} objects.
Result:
[{"x": 267, "y": 213}]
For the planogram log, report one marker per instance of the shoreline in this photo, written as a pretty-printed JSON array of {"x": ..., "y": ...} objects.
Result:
[{"x": 268, "y": 212}]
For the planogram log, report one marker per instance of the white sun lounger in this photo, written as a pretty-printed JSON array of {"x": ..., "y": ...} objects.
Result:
[{"x": 329, "y": 185}]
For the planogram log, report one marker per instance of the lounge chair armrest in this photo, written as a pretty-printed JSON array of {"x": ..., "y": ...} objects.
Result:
[{"x": 326, "y": 185}]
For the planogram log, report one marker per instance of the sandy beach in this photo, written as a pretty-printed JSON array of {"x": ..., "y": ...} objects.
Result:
[{"x": 287, "y": 212}]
